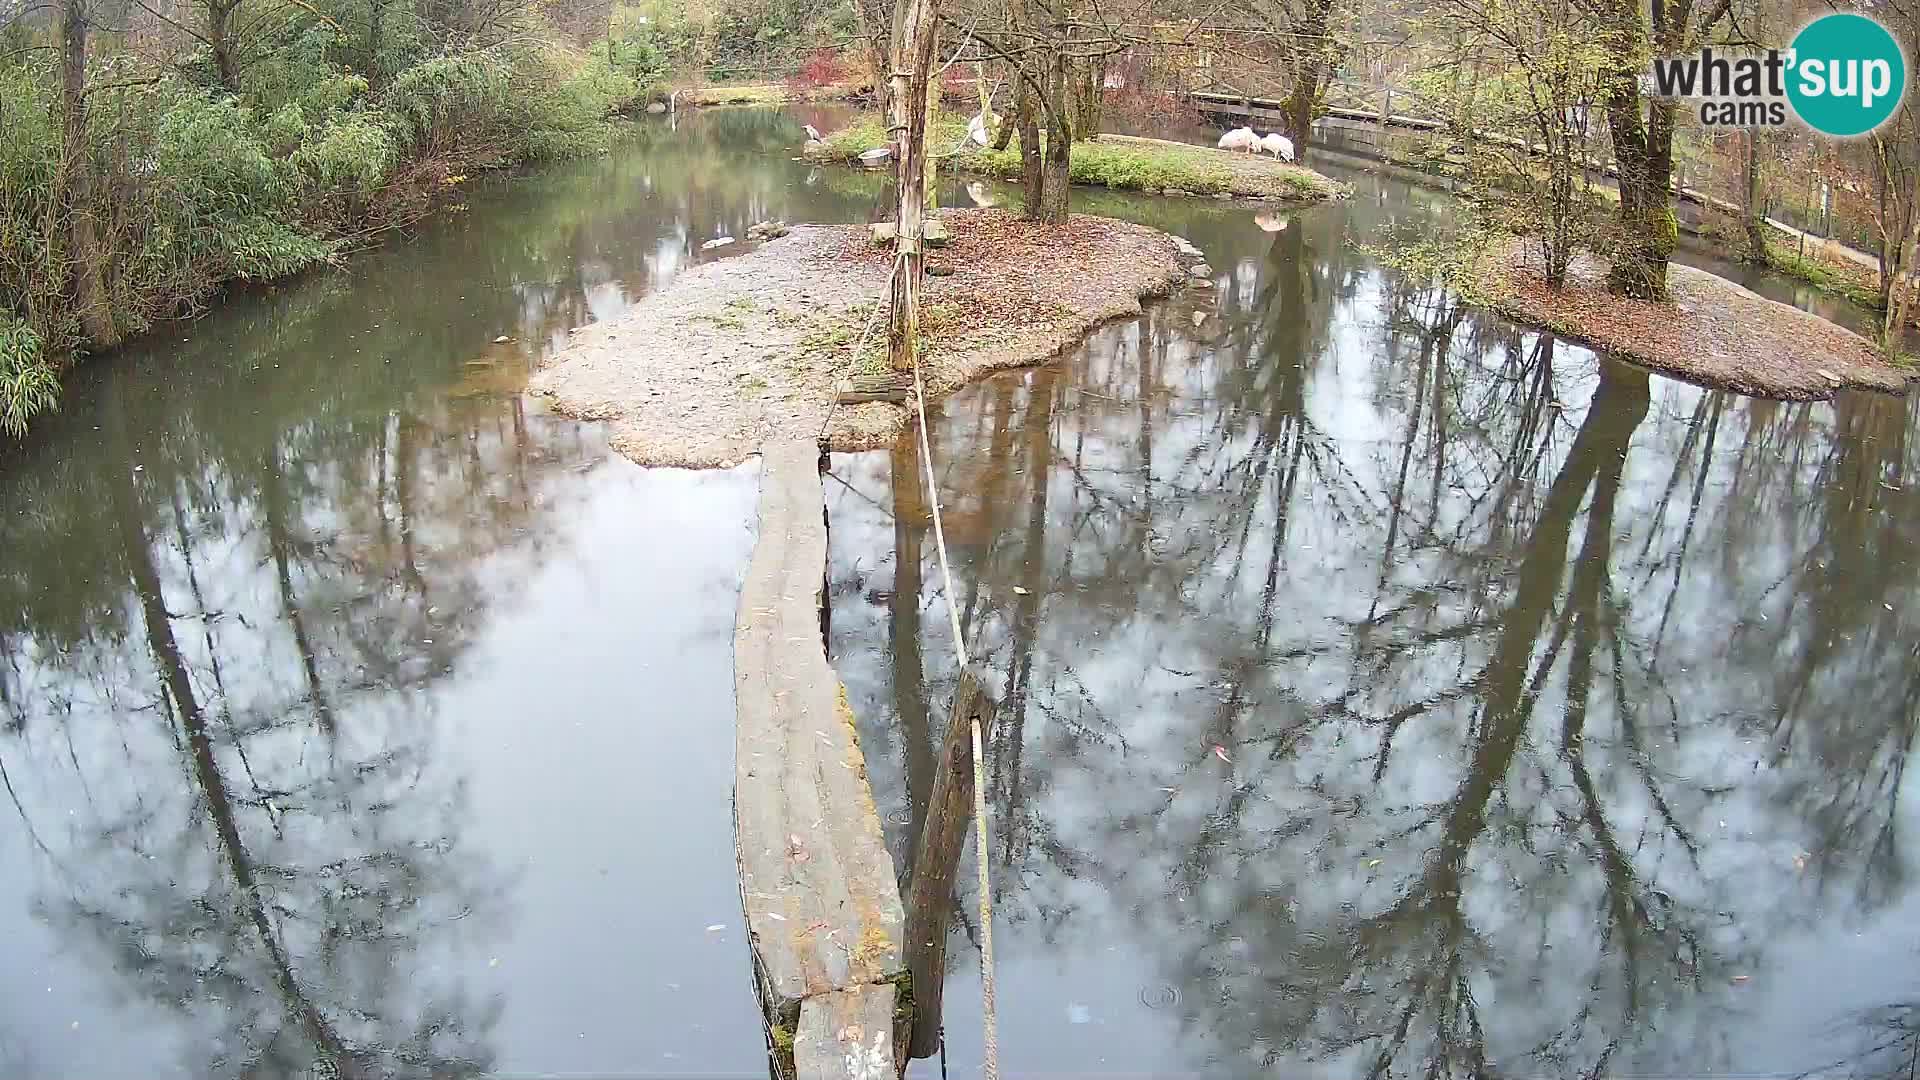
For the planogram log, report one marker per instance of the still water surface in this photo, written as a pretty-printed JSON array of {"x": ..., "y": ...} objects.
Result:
[{"x": 1386, "y": 690}]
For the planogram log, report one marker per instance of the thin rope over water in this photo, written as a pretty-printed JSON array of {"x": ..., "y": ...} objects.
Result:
[{"x": 989, "y": 1028}]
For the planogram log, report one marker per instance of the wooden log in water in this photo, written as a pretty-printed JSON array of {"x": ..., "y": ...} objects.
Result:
[{"x": 937, "y": 859}]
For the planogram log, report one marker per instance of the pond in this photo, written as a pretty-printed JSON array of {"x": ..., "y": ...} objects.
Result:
[{"x": 1385, "y": 689}]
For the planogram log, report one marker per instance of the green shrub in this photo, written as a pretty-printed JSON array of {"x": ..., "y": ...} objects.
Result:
[
  {"x": 195, "y": 187},
  {"x": 350, "y": 159},
  {"x": 28, "y": 386}
]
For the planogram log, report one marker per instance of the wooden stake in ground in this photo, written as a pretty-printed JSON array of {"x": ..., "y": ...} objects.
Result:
[{"x": 914, "y": 24}]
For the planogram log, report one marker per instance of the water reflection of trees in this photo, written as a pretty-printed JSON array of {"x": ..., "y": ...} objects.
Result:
[
  {"x": 1553, "y": 694},
  {"x": 218, "y": 737}
]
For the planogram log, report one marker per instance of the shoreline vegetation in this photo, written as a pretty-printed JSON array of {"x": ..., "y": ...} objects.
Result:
[
  {"x": 759, "y": 347},
  {"x": 1119, "y": 162},
  {"x": 305, "y": 145},
  {"x": 1711, "y": 331},
  {"x": 1823, "y": 263}
]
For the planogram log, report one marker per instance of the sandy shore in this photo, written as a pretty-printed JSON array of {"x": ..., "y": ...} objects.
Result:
[
  {"x": 1712, "y": 332},
  {"x": 757, "y": 347}
]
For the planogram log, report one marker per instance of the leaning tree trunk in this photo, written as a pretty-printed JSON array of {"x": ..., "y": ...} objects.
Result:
[
  {"x": 1003, "y": 138},
  {"x": 220, "y": 43},
  {"x": 912, "y": 69},
  {"x": 1059, "y": 152},
  {"x": 1751, "y": 219},
  {"x": 88, "y": 281}
]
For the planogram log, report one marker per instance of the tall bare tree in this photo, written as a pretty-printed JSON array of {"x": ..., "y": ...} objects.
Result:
[{"x": 84, "y": 254}]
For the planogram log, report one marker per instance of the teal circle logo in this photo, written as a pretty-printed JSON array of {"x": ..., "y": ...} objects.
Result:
[{"x": 1847, "y": 75}]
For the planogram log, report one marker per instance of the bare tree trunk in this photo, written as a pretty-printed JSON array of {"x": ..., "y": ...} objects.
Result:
[
  {"x": 1087, "y": 79},
  {"x": 1054, "y": 193},
  {"x": 914, "y": 24},
  {"x": 1315, "y": 45},
  {"x": 876, "y": 36},
  {"x": 1751, "y": 218},
  {"x": 1643, "y": 147},
  {"x": 1033, "y": 175},
  {"x": 220, "y": 41},
  {"x": 376, "y": 32},
  {"x": 930, "y": 172},
  {"x": 1900, "y": 296},
  {"x": 1004, "y": 137},
  {"x": 88, "y": 282}
]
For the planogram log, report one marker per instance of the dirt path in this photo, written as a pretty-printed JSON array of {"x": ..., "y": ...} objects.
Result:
[
  {"x": 746, "y": 350},
  {"x": 1713, "y": 332}
]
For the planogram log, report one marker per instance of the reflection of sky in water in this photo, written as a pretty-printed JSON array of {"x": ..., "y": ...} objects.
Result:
[
  {"x": 1623, "y": 821},
  {"x": 464, "y": 680},
  {"x": 487, "y": 823}
]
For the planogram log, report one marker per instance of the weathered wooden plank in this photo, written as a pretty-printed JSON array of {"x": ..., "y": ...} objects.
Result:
[
  {"x": 846, "y": 1035},
  {"x": 937, "y": 859},
  {"x": 822, "y": 908}
]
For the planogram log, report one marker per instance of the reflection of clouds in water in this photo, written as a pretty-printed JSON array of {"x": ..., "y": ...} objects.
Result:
[{"x": 1518, "y": 775}]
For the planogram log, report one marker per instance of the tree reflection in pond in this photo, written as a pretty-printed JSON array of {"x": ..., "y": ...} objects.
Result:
[
  {"x": 1556, "y": 705},
  {"x": 236, "y": 786}
]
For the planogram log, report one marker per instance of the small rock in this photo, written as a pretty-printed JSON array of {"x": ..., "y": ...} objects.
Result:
[
  {"x": 1222, "y": 195},
  {"x": 1186, "y": 247},
  {"x": 720, "y": 243},
  {"x": 768, "y": 230},
  {"x": 883, "y": 232},
  {"x": 1827, "y": 375},
  {"x": 939, "y": 270},
  {"x": 656, "y": 108},
  {"x": 1201, "y": 270},
  {"x": 1180, "y": 192},
  {"x": 1201, "y": 283},
  {"x": 934, "y": 232},
  {"x": 879, "y": 155}
]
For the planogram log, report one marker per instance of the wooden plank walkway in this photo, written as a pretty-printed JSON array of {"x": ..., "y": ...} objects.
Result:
[{"x": 822, "y": 905}]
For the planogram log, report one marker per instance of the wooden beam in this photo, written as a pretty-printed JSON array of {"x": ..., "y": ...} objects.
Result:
[{"x": 937, "y": 859}]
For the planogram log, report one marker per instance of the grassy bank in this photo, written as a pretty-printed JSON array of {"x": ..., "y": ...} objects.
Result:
[
  {"x": 765, "y": 94},
  {"x": 1119, "y": 162},
  {"x": 315, "y": 144}
]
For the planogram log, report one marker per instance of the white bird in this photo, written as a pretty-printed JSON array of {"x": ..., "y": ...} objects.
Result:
[
  {"x": 1278, "y": 145},
  {"x": 812, "y": 132},
  {"x": 977, "y": 129},
  {"x": 1240, "y": 138},
  {"x": 1271, "y": 222},
  {"x": 981, "y": 194}
]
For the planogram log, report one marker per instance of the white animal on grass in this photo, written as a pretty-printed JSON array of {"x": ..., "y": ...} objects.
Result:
[
  {"x": 1278, "y": 145},
  {"x": 977, "y": 129},
  {"x": 812, "y": 132},
  {"x": 981, "y": 194},
  {"x": 1240, "y": 138}
]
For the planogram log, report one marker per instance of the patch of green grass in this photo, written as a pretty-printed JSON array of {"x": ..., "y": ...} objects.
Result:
[
  {"x": 771, "y": 94},
  {"x": 725, "y": 320},
  {"x": 1119, "y": 164},
  {"x": 1827, "y": 278}
]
